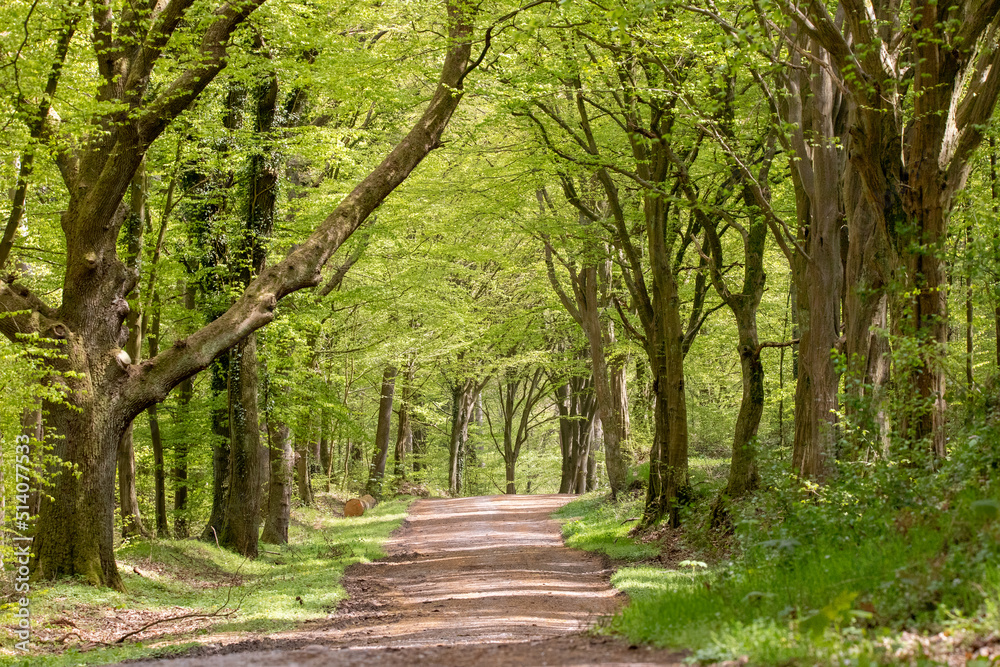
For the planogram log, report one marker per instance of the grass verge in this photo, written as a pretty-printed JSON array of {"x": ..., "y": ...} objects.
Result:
[
  {"x": 224, "y": 594},
  {"x": 807, "y": 597}
]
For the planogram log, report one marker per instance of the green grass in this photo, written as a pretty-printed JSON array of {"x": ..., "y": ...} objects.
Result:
[
  {"x": 592, "y": 524},
  {"x": 828, "y": 596},
  {"x": 293, "y": 583}
]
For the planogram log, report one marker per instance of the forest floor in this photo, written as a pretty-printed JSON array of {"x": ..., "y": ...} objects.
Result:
[{"x": 467, "y": 581}]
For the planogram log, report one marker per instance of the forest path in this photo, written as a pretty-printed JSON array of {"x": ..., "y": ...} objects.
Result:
[{"x": 468, "y": 581}]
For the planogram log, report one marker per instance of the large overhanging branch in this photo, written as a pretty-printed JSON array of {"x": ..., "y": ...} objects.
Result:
[{"x": 150, "y": 381}]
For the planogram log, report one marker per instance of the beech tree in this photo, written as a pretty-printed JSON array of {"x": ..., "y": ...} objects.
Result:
[
  {"x": 622, "y": 101},
  {"x": 103, "y": 389}
]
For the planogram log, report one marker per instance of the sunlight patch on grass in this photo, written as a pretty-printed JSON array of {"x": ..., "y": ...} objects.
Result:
[
  {"x": 284, "y": 586},
  {"x": 594, "y": 524}
]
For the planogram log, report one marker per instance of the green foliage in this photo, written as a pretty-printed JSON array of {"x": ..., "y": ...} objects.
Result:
[{"x": 821, "y": 573}]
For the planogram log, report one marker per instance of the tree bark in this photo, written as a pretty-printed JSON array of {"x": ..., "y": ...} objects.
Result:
[
  {"x": 463, "y": 400},
  {"x": 220, "y": 447},
  {"x": 104, "y": 393},
  {"x": 302, "y": 475},
  {"x": 814, "y": 105},
  {"x": 181, "y": 446},
  {"x": 241, "y": 520},
  {"x": 159, "y": 481},
  {"x": 380, "y": 456},
  {"x": 132, "y": 230},
  {"x": 917, "y": 126},
  {"x": 279, "y": 489},
  {"x": 591, "y": 296},
  {"x": 404, "y": 430}
]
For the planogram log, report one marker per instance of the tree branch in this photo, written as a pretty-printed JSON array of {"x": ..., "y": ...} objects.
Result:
[{"x": 152, "y": 380}]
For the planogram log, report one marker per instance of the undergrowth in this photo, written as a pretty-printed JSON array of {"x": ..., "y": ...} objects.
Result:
[
  {"x": 77, "y": 624},
  {"x": 885, "y": 564}
]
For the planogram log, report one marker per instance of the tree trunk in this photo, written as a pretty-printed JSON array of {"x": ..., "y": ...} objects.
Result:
[
  {"x": 872, "y": 264},
  {"x": 302, "y": 476},
  {"x": 33, "y": 435},
  {"x": 279, "y": 488},
  {"x": 382, "y": 432},
  {"x": 591, "y": 291},
  {"x": 668, "y": 456},
  {"x": 597, "y": 441},
  {"x": 241, "y": 522},
  {"x": 812, "y": 103},
  {"x": 419, "y": 446},
  {"x": 325, "y": 453},
  {"x": 220, "y": 447},
  {"x": 181, "y": 445},
  {"x": 567, "y": 432},
  {"x": 404, "y": 431},
  {"x": 86, "y": 499},
  {"x": 103, "y": 392},
  {"x": 159, "y": 481},
  {"x": 743, "y": 475},
  {"x": 132, "y": 229},
  {"x": 463, "y": 401}
]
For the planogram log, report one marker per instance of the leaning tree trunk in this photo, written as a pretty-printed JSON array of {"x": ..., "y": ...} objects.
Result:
[
  {"x": 279, "y": 489},
  {"x": 101, "y": 392}
]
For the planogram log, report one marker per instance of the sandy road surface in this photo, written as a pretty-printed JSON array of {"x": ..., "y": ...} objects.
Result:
[{"x": 468, "y": 581}]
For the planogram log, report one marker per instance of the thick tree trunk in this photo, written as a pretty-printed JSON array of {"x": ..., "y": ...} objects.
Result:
[
  {"x": 376, "y": 474},
  {"x": 872, "y": 264},
  {"x": 279, "y": 488},
  {"x": 33, "y": 434},
  {"x": 104, "y": 393},
  {"x": 813, "y": 104},
  {"x": 241, "y": 521},
  {"x": 91, "y": 434}
]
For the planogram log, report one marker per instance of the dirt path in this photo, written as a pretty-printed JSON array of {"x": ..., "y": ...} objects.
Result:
[{"x": 469, "y": 581}]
